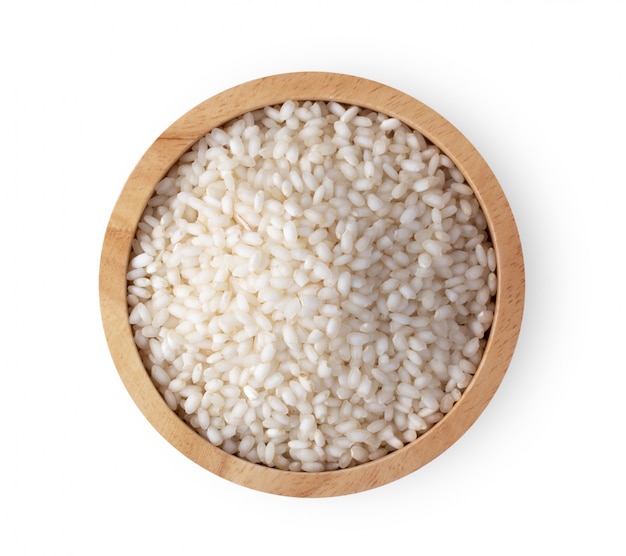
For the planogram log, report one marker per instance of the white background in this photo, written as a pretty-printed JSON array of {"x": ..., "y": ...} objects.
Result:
[{"x": 538, "y": 87}]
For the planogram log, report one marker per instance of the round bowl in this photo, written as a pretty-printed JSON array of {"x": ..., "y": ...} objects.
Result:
[{"x": 218, "y": 110}]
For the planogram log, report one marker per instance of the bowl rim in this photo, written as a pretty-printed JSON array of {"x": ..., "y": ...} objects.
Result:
[{"x": 273, "y": 90}]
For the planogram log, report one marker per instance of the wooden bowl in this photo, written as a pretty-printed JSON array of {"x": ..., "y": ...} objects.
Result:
[{"x": 214, "y": 112}]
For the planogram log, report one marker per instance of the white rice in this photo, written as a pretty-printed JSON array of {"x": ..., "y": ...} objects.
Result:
[{"x": 311, "y": 286}]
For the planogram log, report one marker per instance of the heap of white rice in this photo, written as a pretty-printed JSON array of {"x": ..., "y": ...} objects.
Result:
[{"x": 311, "y": 286}]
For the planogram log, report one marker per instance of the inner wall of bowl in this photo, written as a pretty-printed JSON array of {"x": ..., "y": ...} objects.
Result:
[{"x": 262, "y": 461}]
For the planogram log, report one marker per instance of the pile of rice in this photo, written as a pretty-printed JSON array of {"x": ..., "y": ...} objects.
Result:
[{"x": 311, "y": 286}]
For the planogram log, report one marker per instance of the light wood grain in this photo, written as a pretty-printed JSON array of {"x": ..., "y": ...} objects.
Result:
[{"x": 216, "y": 111}]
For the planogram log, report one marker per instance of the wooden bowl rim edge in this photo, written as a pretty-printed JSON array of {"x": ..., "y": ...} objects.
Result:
[{"x": 220, "y": 109}]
